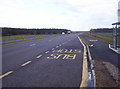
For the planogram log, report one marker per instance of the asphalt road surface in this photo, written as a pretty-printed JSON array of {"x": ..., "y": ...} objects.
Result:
[
  {"x": 101, "y": 51},
  {"x": 49, "y": 62}
]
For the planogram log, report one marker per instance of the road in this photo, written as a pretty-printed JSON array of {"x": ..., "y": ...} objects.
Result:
[
  {"x": 101, "y": 51},
  {"x": 49, "y": 62}
]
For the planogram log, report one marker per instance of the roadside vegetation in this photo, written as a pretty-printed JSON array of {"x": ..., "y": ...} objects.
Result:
[
  {"x": 17, "y": 37},
  {"x": 86, "y": 41},
  {"x": 98, "y": 37},
  {"x": 105, "y": 34}
]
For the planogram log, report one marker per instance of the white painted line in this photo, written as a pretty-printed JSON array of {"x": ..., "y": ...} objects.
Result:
[
  {"x": 39, "y": 56},
  {"x": 53, "y": 51},
  {"x": 93, "y": 40},
  {"x": 26, "y": 63},
  {"x": 6, "y": 74},
  {"x": 91, "y": 45},
  {"x": 57, "y": 46},
  {"x": 47, "y": 52},
  {"x": 52, "y": 48},
  {"x": 32, "y": 44}
]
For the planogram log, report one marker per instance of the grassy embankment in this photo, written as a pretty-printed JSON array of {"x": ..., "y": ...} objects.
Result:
[
  {"x": 18, "y": 37},
  {"x": 105, "y": 34},
  {"x": 102, "y": 37}
]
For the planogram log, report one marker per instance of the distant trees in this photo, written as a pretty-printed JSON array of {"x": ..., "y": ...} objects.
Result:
[
  {"x": 105, "y": 30},
  {"x": 21, "y": 31}
]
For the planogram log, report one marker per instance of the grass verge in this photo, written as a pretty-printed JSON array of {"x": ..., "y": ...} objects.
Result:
[
  {"x": 86, "y": 41},
  {"x": 17, "y": 37},
  {"x": 19, "y": 41},
  {"x": 98, "y": 37},
  {"x": 105, "y": 34}
]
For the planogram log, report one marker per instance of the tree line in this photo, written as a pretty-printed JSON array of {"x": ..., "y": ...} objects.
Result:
[{"x": 21, "y": 31}]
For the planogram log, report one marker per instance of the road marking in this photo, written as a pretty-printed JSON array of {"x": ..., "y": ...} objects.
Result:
[
  {"x": 6, "y": 74},
  {"x": 93, "y": 40},
  {"x": 70, "y": 51},
  {"x": 47, "y": 52},
  {"x": 26, "y": 63},
  {"x": 52, "y": 48},
  {"x": 53, "y": 51},
  {"x": 91, "y": 45},
  {"x": 85, "y": 68},
  {"x": 57, "y": 46},
  {"x": 71, "y": 56},
  {"x": 32, "y": 44},
  {"x": 62, "y": 56},
  {"x": 39, "y": 56},
  {"x": 65, "y": 56}
]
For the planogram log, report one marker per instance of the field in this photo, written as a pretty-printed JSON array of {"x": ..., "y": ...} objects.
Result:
[
  {"x": 17, "y": 37},
  {"x": 102, "y": 38},
  {"x": 105, "y": 34}
]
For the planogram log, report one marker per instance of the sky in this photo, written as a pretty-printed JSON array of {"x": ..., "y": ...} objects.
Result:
[{"x": 75, "y": 15}]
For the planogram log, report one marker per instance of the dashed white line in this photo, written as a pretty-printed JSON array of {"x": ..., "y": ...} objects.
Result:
[
  {"x": 57, "y": 46},
  {"x": 52, "y": 48},
  {"x": 32, "y": 44},
  {"x": 6, "y": 74},
  {"x": 26, "y": 63},
  {"x": 39, "y": 56},
  {"x": 47, "y": 52}
]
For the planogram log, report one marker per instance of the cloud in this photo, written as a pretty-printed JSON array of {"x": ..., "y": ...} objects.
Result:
[{"x": 69, "y": 14}]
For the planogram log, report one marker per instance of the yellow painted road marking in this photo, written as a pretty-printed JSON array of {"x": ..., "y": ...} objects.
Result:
[
  {"x": 65, "y": 56},
  {"x": 47, "y": 52},
  {"x": 70, "y": 51},
  {"x": 85, "y": 68},
  {"x": 6, "y": 74},
  {"x": 62, "y": 56},
  {"x": 71, "y": 56},
  {"x": 26, "y": 63},
  {"x": 39, "y": 56}
]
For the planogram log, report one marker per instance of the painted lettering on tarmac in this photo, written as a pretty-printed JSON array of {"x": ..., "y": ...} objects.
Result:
[{"x": 70, "y": 54}]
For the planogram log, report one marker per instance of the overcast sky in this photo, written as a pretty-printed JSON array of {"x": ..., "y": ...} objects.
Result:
[{"x": 76, "y": 15}]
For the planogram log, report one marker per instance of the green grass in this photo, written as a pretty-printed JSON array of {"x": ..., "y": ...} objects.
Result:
[
  {"x": 105, "y": 34},
  {"x": 17, "y": 37},
  {"x": 19, "y": 41},
  {"x": 86, "y": 41},
  {"x": 98, "y": 37}
]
